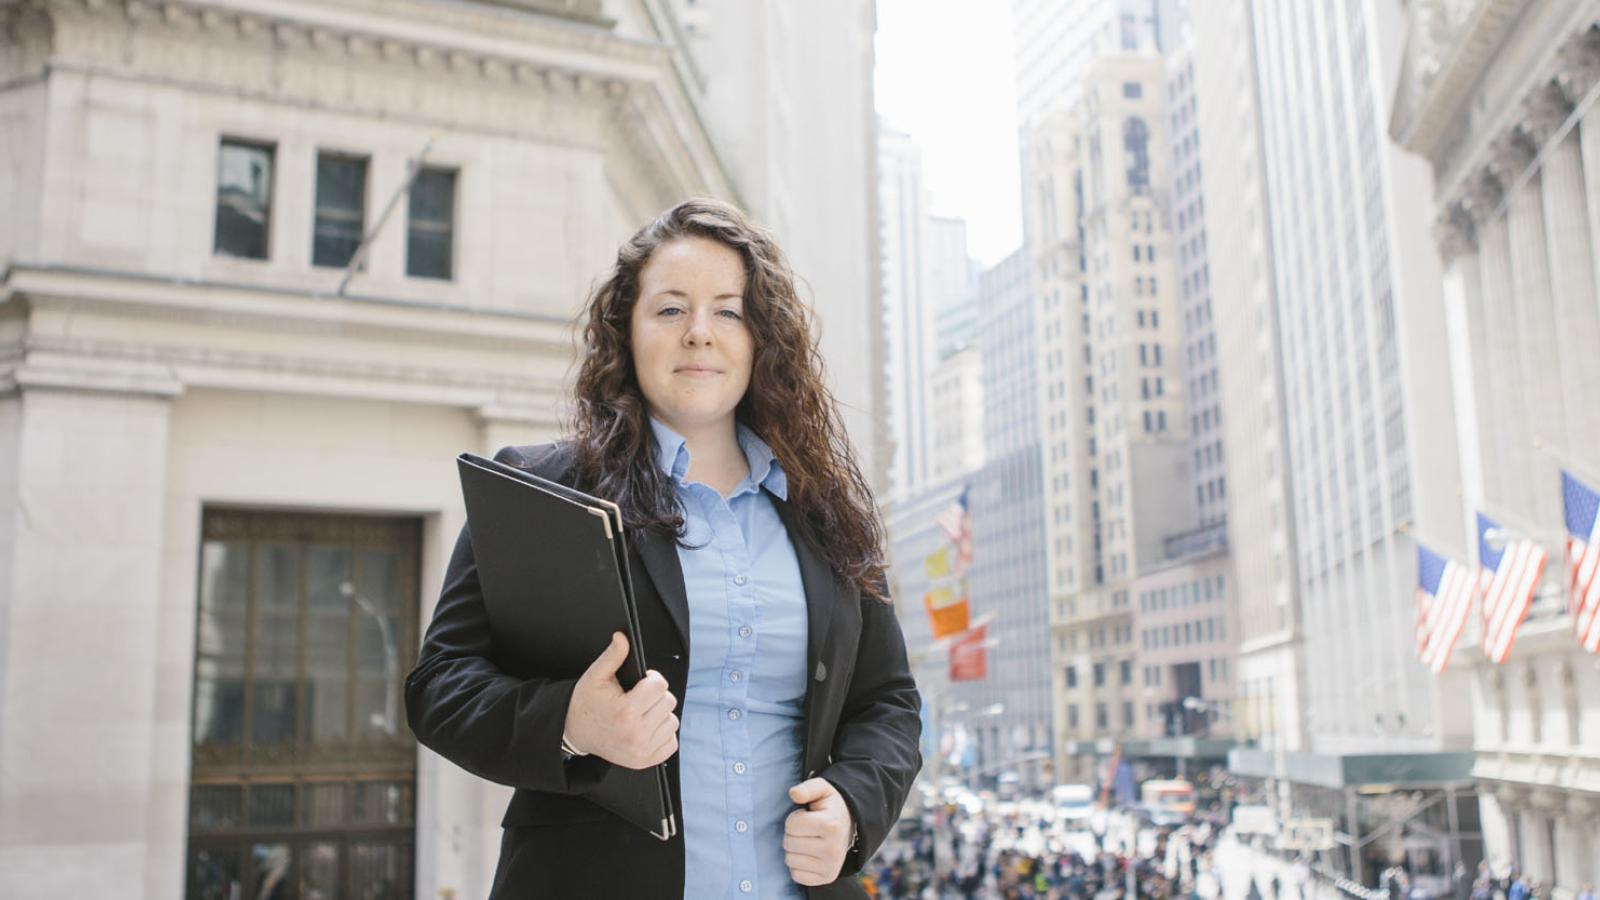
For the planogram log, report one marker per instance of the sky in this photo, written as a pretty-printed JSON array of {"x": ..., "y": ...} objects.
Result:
[{"x": 944, "y": 76}]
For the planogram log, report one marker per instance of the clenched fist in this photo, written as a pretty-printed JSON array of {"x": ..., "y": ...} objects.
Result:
[
  {"x": 635, "y": 729},
  {"x": 816, "y": 838}
]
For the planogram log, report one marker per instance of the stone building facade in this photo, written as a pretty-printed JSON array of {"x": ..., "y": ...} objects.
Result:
[
  {"x": 226, "y": 489},
  {"x": 1500, "y": 98}
]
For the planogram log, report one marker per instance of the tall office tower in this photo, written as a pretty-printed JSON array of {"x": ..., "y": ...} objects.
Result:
[
  {"x": 1110, "y": 396},
  {"x": 1370, "y": 425},
  {"x": 1054, "y": 41},
  {"x": 1009, "y": 711},
  {"x": 1237, "y": 274},
  {"x": 908, "y": 321},
  {"x": 1502, "y": 102}
]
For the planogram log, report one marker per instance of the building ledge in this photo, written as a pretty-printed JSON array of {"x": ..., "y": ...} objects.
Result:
[{"x": 1354, "y": 770}]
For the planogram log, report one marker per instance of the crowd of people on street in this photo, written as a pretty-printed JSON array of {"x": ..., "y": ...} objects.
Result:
[{"x": 956, "y": 853}]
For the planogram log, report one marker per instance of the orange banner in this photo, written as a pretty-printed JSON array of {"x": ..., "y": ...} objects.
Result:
[{"x": 947, "y": 615}]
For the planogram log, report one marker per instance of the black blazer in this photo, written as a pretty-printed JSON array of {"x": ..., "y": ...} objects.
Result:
[{"x": 502, "y": 720}]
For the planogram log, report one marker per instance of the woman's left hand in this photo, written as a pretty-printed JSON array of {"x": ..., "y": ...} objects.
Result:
[{"x": 816, "y": 838}]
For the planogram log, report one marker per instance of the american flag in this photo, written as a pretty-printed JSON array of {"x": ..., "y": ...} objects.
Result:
[
  {"x": 1510, "y": 577},
  {"x": 1583, "y": 558},
  {"x": 957, "y": 525},
  {"x": 1445, "y": 589}
]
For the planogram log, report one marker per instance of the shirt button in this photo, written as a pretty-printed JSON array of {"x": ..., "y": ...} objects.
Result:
[
  {"x": 739, "y": 579},
  {"x": 734, "y": 714},
  {"x": 736, "y": 675},
  {"x": 738, "y": 768},
  {"x": 741, "y": 826},
  {"x": 745, "y": 885},
  {"x": 745, "y": 631}
]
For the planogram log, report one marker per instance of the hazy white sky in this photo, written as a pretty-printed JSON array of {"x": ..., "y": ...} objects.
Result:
[{"x": 944, "y": 76}]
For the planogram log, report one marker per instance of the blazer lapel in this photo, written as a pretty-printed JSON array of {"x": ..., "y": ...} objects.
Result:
[
  {"x": 660, "y": 556},
  {"x": 817, "y": 579}
]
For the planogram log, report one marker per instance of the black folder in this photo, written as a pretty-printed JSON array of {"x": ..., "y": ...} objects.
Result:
[{"x": 553, "y": 567}]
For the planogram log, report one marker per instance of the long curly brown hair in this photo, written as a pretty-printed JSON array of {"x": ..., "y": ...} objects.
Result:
[{"x": 787, "y": 403}]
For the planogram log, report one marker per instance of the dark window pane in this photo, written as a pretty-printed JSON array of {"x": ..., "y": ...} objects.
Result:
[
  {"x": 213, "y": 873},
  {"x": 270, "y": 872},
  {"x": 219, "y": 643},
  {"x": 341, "y": 209},
  {"x": 431, "y": 233},
  {"x": 244, "y": 199},
  {"x": 277, "y": 639},
  {"x": 328, "y": 605},
  {"x": 272, "y": 805},
  {"x": 319, "y": 872},
  {"x": 215, "y": 806},
  {"x": 323, "y": 803},
  {"x": 382, "y": 803},
  {"x": 378, "y": 645},
  {"x": 380, "y": 871}
]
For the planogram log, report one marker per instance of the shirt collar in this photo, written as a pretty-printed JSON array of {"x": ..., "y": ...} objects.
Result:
[{"x": 672, "y": 455}]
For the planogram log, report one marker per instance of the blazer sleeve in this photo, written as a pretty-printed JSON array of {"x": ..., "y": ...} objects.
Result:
[
  {"x": 876, "y": 747},
  {"x": 463, "y": 707}
]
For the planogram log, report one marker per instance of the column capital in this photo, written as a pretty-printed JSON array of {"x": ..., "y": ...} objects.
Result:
[
  {"x": 1543, "y": 111},
  {"x": 1582, "y": 807},
  {"x": 1579, "y": 61},
  {"x": 1509, "y": 155},
  {"x": 1481, "y": 196},
  {"x": 1454, "y": 234}
]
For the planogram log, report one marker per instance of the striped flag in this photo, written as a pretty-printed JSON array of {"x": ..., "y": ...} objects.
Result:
[
  {"x": 1509, "y": 577},
  {"x": 968, "y": 660},
  {"x": 948, "y": 610},
  {"x": 1583, "y": 559},
  {"x": 956, "y": 522},
  {"x": 1445, "y": 589}
]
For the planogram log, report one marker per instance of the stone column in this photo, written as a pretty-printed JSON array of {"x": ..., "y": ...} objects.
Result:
[
  {"x": 1572, "y": 268},
  {"x": 81, "y": 560},
  {"x": 1580, "y": 837},
  {"x": 1502, "y": 357},
  {"x": 1580, "y": 70},
  {"x": 1463, "y": 297},
  {"x": 1533, "y": 305}
]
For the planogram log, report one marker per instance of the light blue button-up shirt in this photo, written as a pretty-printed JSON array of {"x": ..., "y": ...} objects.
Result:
[{"x": 742, "y": 720}]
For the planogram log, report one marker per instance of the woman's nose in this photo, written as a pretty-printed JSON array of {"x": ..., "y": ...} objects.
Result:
[{"x": 699, "y": 330}]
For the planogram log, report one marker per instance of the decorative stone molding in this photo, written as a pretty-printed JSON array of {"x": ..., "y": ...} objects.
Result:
[
  {"x": 1579, "y": 61},
  {"x": 1544, "y": 111},
  {"x": 1580, "y": 808},
  {"x": 1454, "y": 234},
  {"x": 1482, "y": 197},
  {"x": 1509, "y": 155}
]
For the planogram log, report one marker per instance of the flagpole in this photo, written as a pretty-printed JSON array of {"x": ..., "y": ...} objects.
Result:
[{"x": 359, "y": 257}]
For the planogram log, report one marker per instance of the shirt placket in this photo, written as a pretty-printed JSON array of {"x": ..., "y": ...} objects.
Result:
[{"x": 734, "y": 690}]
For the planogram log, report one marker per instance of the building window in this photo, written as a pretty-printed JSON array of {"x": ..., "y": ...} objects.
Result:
[
  {"x": 244, "y": 199},
  {"x": 1100, "y": 720},
  {"x": 341, "y": 209},
  {"x": 430, "y": 240},
  {"x": 1072, "y": 677},
  {"x": 1099, "y": 674},
  {"x": 303, "y": 769},
  {"x": 1127, "y": 714},
  {"x": 1136, "y": 148},
  {"x": 1127, "y": 671},
  {"x": 1132, "y": 90},
  {"x": 1072, "y": 716}
]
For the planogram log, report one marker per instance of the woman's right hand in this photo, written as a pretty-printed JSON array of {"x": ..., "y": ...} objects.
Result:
[{"x": 635, "y": 729}]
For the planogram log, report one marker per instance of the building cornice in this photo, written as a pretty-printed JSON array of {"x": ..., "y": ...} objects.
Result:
[{"x": 457, "y": 66}]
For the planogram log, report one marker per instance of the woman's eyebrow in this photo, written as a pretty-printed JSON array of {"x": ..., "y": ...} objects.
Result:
[{"x": 674, "y": 292}]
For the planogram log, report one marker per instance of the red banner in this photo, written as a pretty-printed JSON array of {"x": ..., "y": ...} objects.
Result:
[{"x": 967, "y": 659}]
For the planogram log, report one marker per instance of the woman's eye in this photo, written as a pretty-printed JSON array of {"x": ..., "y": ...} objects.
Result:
[
  {"x": 669, "y": 310},
  {"x": 732, "y": 314}
]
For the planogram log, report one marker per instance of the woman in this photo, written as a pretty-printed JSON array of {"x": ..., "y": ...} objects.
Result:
[{"x": 778, "y": 693}]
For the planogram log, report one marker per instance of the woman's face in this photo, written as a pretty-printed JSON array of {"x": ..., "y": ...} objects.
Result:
[{"x": 691, "y": 346}]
